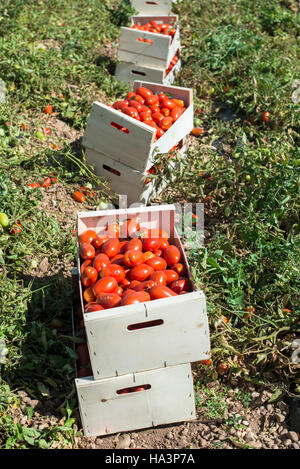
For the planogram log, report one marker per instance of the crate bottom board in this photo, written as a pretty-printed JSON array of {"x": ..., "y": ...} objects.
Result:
[
  {"x": 166, "y": 396},
  {"x": 125, "y": 180},
  {"x": 128, "y": 72}
]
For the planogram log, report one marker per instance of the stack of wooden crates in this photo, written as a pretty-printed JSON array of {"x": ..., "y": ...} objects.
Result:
[
  {"x": 140, "y": 354},
  {"x": 145, "y": 55},
  {"x": 123, "y": 149}
]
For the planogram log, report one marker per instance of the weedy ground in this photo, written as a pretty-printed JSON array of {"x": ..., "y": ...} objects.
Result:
[{"x": 241, "y": 59}]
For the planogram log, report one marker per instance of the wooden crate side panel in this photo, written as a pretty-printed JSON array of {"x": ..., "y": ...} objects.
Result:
[
  {"x": 181, "y": 338},
  {"x": 156, "y": 7},
  {"x": 104, "y": 411},
  {"x": 128, "y": 72},
  {"x": 102, "y": 136}
]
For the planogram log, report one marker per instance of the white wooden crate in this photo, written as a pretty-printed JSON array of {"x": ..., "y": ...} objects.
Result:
[
  {"x": 169, "y": 399},
  {"x": 125, "y": 180},
  {"x": 136, "y": 147},
  {"x": 128, "y": 72},
  {"x": 177, "y": 329},
  {"x": 157, "y": 54},
  {"x": 152, "y": 7}
]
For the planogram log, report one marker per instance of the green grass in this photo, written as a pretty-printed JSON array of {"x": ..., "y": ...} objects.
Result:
[{"x": 241, "y": 58}]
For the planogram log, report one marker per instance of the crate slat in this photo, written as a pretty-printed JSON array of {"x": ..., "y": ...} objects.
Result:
[{"x": 155, "y": 7}]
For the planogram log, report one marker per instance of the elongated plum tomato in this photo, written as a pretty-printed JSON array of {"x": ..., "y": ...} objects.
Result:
[
  {"x": 151, "y": 244},
  {"x": 105, "y": 285},
  {"x": 86, "y": 251},
  {"x": 140, "y": 272},
  {"x": 164, "y": 243},
  {"x": 85, "y": 264},
  {"x": 113, "y": 270},
  {"x": 113, "y": 230},
  {"x": 181, "y": 284},
  {"x": 161, "y": 291},
  {"x": 133, "y": 257},
  {"x": 157, "y": 263},
  {"x": 108, "y": 300},
  {"x": 118, "y": 291},
  {"x": 144, "y": 285},
  {"x": 171, "y": 275},
  {"x": 179, "y": 268},
  {"x": 111, "y": 247},
  {"x": 159, "y": 277},
  {"x": 134, "y": 245},
  {"x": 92, "y": 308},
  {"x": 118, "y": 259},
  {"x": 144, "y": 92},
  {"x": 131, "y": 111},
  {"x": 136, "y": 297},
  {"x": 87, "y": 236},
  {"x": 148, "y": 255},
  {"x": 168, "y": 104},
  {"x": 78, "y": 196},
  {"x": 129, "y": 227},
  {"x": 88, "y": 295},
  {"x": 99, "y": 241},
  {"x": 89, "y": 276},
  {"x": 101, "y": 261},
  {"x": 172, "y": 255}
]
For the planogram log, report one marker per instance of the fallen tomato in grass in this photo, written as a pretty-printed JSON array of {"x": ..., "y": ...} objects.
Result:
[
  {"x": 198, "y": 131},
  {"x": 266, "y": 116},
  {"x": 47, "y": 131},
  {"x": 16, "y": 228},
  {"x": 47, "y": 182},
  {"x": 78, "y": 196},
  {"x": 48, "y": 109}
]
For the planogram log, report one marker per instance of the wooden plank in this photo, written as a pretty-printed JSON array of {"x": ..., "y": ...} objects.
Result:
[
  {"x": 154, "y": 7},
  {"x": 128, "y": 72}
]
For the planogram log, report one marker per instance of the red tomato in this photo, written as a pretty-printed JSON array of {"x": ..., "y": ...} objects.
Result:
[
  {"x": 133, "y": 257},
  {"x": 113, "y": 270},
  {"x": 164, "y": 243},
  {"x": 118, "y": 291},
  {"x": 159, "y": 277},
  {"x": 178, "y": 102},
  {"x": 144, "y": 92},
  {"x": 85, "y": 264},
  {"x": 89, "y": 276},
  {"x": 78, "y": 196},
  {"x": 90, "y": 303},
  {"x": 111, "y": 247},
  {"x": 180, "y": 285},
  {"x": 48, "y": 109},
  {"x": 166, "y": 123},
  {"x": 157, "y": 252},
  {"x": 144, "y": 285},
  {"x": 134, "y": 245},
  {"x": 162, "y": 97},
  {"x": 140, "y": 272},
  {"x": 133, "y": 284},
  {"x": 113, "y": 230},
  {"x": 87, "y": 236},
  {"x": 118, "y": 259},
  {"x": 108, "y": 300},
  {"x": 151, "y": 244},
  {"x": 158, "y": 233},
  {"x": 145, "y": 116},
  {"x": 161, "y": 291},
  {"x": 125, "y": 283},
  {"x": 129, "y": 228},
  {"x": 105, "y": 285},
  {"x": 157, "y": 263},
  {"x": 99, "y": 241},
  {"x": 176, "y": 113},
  {"x": 266, "y": 116},
  {"x": 47, "y": 182},
  {"x": 138, "y": 106},
  {"x": 171, "y": 275},
  {"x": 131, "y": 95},
  {"x": 131, "y": 111},
  {"x": 86, "y": 251},
  {"x": 136, "y": 297},
  {"x": 148, "y": 255},
  {"x": 138, "y": 99},
  {"x": 101, "y": 261},
  {"x": 157, "y": 117},
  {"x": 88, "y": 295},
  {"x": 179, "y": 268},
  {"x": 120, "y": 104},
  {"x": 165, "y": 111},
  {"x": 93, "y": 307},
  {"x": 172, "y": 255},
  {"x": 168, "y": 104},
  {"x": 153, "y": 99}
]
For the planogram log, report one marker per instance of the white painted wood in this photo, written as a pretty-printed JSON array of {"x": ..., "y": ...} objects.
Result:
[
  {"x": 136, "y": 148},
  {"x": 158, "y": 54},
  {"x": 128, "y": 181},
  {"x": 128, "y": 72},
  {"x": 182, "y": 337},
  {"x": 170, "y": 399},
  {"x": 152, "y": 7}
]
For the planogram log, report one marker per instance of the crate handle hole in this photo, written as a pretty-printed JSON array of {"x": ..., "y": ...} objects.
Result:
[
  {"x": 119, "y": 127},
  {"x": 135, "y": 72},
  {"x": 151, "y": 3},
  {"x": 146, "y": 41},
  {"x": 111, "y": 170},
  {"x": 143, "y": 325},
  {"x": 142, "y": 387}
]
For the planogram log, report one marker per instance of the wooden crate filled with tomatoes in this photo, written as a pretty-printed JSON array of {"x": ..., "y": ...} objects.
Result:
[
  {"x": 141, "y": 314},
  {"x": 122, "y": 139},
  {"x": 149, "y": 50},
  {"x": 150, "y": 7}
]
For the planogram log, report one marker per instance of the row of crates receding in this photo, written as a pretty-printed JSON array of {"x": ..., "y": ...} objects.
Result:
[
  {"x": 140, "y": 353},
  {"x": 146, "y": 55},
  {"x": 123, "y": 149}
]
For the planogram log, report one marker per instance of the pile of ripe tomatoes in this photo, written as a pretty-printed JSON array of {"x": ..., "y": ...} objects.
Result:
[
  {"x": 153, "y": 27},
  {"x": 129, "y": 264},
  {"x": 172, "y": 64},
  {"x": 156, "y": 110}
]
